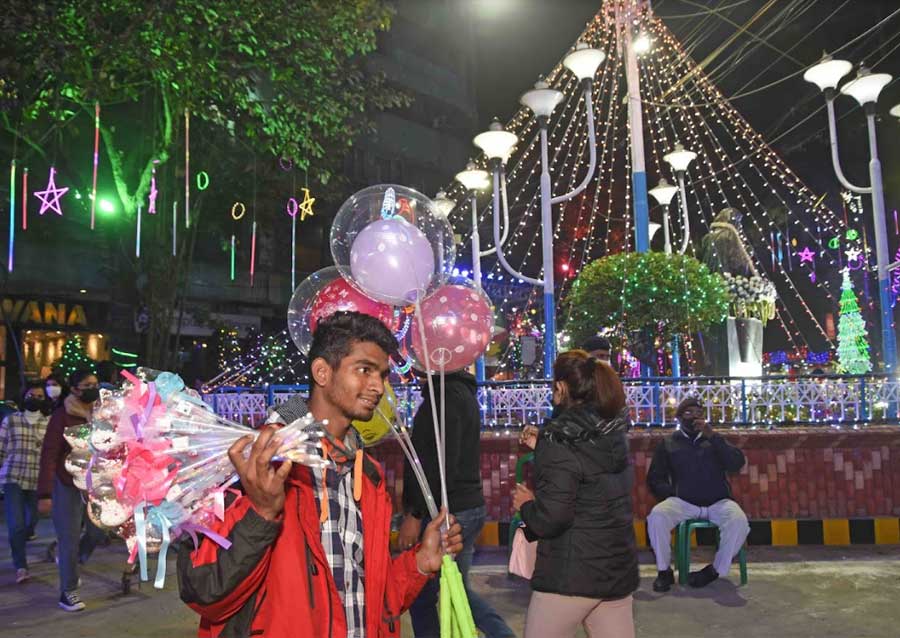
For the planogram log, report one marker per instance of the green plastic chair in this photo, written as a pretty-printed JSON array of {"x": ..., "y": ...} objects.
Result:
[
  {"x": 683, "y": 549},
  {"x": 516, "y": 519}
]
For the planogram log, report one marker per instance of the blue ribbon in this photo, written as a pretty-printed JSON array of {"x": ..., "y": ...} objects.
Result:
[
  {"x": 166, "y": 515},
  {"x": 168, "y": 383},
  {"x": 140, "y": 531}
]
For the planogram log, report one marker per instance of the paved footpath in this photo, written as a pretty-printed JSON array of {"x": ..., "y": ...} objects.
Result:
[{"x": 794, "y": 592}]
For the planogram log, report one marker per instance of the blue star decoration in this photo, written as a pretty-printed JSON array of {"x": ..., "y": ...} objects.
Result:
[{"x": 50, "y": 197}]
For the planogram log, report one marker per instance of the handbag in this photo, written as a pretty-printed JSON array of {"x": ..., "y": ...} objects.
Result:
[{"x": 523, "y": 555}]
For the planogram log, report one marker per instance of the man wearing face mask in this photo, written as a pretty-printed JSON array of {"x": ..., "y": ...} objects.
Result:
[
  {"x": 58, "y": 494},
  {"x": 688, "y": 476},
  {"x": 21, "y": 436}
]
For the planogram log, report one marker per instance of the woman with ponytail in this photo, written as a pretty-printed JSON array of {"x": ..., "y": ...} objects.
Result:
[{"x": 581, "y": 510}]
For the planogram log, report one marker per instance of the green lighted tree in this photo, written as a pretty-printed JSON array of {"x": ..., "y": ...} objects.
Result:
[
  {"x": 73, "y": 357},
  {"x": 627, "y": 292},
  {"x": 853, "y": 347}
]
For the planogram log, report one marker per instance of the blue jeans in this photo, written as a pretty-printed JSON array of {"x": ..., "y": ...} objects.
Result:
[
  {"x": 423, "y": 611},
  {"x": 71, "y": 547},
  {"x": 21, "y": 517}
]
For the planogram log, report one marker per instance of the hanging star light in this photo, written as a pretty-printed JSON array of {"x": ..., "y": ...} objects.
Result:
[
  {"x": 306, "y": 205},
  {"x": 806, "y": 255},
  {"x": 853, "y": 254},
  {"x": 50, "y": 197}
]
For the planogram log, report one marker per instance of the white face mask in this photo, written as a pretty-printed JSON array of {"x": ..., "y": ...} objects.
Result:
[{"x": 53, "y": 391}]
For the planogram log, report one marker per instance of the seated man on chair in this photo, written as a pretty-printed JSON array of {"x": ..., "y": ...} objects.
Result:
[{"x": 687, "y": 476}]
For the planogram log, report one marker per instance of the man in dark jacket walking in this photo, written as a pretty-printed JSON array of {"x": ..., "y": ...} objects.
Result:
[
  {"x": 687, "y": 476},
  {"x": 464, "y": 491}
]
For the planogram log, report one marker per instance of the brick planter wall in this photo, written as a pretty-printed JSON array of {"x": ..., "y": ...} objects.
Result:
[{"x": 816, "y": 473}]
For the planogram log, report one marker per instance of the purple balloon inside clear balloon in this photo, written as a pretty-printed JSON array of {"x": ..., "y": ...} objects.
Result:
[{"x": 392, "y": 261}]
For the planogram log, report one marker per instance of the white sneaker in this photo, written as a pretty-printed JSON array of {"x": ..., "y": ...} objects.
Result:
[
  {"x": 22, "y": 575},
  {"x": 71, "y": 601}
]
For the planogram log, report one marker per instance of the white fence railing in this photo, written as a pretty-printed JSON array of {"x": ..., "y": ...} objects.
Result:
[{"x": 753, "y": 402}]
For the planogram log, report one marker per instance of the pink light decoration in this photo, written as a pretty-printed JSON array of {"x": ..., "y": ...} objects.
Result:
[
  {"x": 806, "y": 255},
  {"x": 25, "y": 198},
  {"x": 96, "y": 162},
  {"x": 292, "y": 207},
  {"x": 187, "y": 168},
  {"x": 252, "y": 253},
  {"x": 151, "y": 205},
  {"x": 50, "y": 197}
]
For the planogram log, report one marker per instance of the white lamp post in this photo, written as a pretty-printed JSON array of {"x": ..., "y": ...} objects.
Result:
[
  {"x": 473, "y": 180},
  {"x": 679, "y": 160},
  {"x": 583, "y": 62},
  {"x": 865, "y": 89},
  {"x": 663, "y": 194}
]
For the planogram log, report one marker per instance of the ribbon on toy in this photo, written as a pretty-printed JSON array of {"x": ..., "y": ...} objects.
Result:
[{"x": 145, "y": 475}]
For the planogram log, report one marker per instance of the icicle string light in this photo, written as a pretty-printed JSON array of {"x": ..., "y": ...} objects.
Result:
[{"x": 96, "y": 163}]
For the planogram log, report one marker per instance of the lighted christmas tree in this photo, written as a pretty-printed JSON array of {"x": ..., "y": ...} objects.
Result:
[
  {"x": 853, "y": 347},
  {"x": 73, "y": 358}
]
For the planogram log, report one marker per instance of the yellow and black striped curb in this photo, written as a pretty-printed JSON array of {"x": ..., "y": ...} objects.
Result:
[{"x": 776, "y": 532}]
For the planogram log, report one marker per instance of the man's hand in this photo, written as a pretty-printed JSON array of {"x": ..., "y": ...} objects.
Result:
[
  {"x": 45, "y": 506},
  {"x": 435, "y": 545},
  {"x": 704, "y": 428},
  {"x": 263, "y": 484},
  {"x": 521, "y": 495},
  {"x": 410, "y": 529},
  {"x": 529, "y": 436}
]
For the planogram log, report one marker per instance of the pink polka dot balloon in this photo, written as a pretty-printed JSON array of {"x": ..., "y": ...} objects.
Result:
[
  {"x": 321, "y": 295},
  {"x": 458, "y": 320}
]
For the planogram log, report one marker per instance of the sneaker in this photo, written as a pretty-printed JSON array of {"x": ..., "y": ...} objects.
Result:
[
  {"x": 71, "y": 601},
  {"x": 703, "y": 577},
  {"x": 22, "y": 575},
  {"x": 664, "y": 581}
]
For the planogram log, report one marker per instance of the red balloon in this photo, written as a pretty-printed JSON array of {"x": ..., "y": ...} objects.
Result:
[
  {"x": 458, "y": 324},
  {"x": 338, "y": 296}
]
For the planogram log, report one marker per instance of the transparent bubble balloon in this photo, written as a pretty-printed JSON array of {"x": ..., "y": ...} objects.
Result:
[
  {"x": 321, "y": 295},
  {"x": 392, "y": 243},
  {"x": 458, "y": 321}
]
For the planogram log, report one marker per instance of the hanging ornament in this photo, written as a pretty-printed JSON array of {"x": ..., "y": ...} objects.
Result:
[
  {"x": 202, "y": 181},
  {"x": 137, "y": 239},
  {"x": 252, "y": 253},
  {"x": 12, "y": 213},
  {"x": 806, "y": 255},
  {"x": 238, "y": 210},
  {"x": 25, "y": 198},
  {"x": 232, "y": 256},
  {"x": 306, "y": 205},
  {"x": 187, "y": 169},
  {"x": 96, "y": 162},
  {"x": 151, "y": 204},
  {"x": 51, "y": 195},
  {"x": 174, "y": 227}
]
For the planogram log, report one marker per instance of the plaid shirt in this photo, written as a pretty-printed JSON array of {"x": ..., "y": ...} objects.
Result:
[
  {"x": 342, "y": 540},
  {"x": 20, "y": 449}
]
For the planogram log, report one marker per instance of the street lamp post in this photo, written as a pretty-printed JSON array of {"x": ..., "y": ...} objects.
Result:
[
  {"x": 474, "y": 179},
  {"x": 679, "y": 160},
  {"x": 541, "y": 100},
  {"x": 663, "y": 194},
  {"x": 865, "y": 88}
]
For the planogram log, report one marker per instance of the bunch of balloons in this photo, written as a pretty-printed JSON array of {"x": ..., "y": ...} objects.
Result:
[{"x": 393, "y": 254}]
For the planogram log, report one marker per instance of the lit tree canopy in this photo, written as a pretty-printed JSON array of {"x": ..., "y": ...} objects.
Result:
[
  {"x": 282, "y": 76},
  {"x": 673, "y": 294}
]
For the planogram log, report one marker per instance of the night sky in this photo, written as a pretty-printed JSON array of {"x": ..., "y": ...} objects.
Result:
[{"x": 518, "y": 40}]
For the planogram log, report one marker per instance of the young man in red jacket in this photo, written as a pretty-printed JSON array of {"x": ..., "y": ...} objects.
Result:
[{"x": 309, "y": 554}]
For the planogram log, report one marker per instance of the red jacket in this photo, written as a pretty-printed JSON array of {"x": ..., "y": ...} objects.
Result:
[{"x": 275, "y": 581}]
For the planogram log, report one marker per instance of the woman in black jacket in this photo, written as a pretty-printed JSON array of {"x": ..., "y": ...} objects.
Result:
[{"x": 581, "y": 510}]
